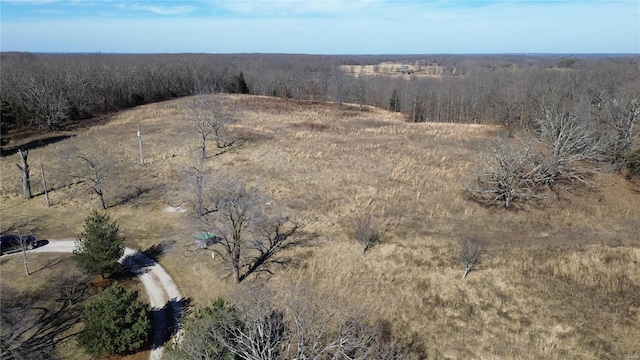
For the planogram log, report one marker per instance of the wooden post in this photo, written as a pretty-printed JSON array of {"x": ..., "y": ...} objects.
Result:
[
  {"x": 140, "y": 145},
  {"x": 44, "y": 184}
]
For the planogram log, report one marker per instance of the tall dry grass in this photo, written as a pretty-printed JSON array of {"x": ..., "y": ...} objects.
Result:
[{"x": 556, "y": 282}]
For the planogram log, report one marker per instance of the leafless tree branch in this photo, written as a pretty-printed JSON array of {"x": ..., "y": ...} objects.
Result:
[
  {"x": 506, "y": 175},
  {"x": 250, "y": 234},
  {"x": 210, "y": 123}
]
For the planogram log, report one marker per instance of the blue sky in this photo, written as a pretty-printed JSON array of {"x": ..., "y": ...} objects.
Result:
[{"x": 321, "y": 26}]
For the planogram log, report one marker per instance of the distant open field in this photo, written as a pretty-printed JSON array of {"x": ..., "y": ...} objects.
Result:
[
  {"x": 556, "y": 282},
  {"x": 389, "y": 68}
]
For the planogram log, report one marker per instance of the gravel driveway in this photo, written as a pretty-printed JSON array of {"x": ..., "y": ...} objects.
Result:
[{"x": 164, "y": 296}]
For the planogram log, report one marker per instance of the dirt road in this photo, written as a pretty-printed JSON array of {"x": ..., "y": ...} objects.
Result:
[{"x": 164, "y": 296}]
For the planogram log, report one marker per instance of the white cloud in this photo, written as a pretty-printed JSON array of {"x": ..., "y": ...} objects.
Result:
[
  {"x": 292, "y": 8},
  {"x": 160, "y": 9},
  {"x": 29, "y": 2}
]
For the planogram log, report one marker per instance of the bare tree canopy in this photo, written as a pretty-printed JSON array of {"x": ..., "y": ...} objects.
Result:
[
  {"x": 254, "y": 327},
  {"x": 53, "y": 90},
  {"x": 94, "y": 171},
  {"x": 625, "y": 124},
  {"x": 569, "y": 140},
  {"x": 571, "y": 149},
  {"x": 506, "y": 175},
  {"x": 210, "y": 123},
  {"x": 251, "y": 234}
]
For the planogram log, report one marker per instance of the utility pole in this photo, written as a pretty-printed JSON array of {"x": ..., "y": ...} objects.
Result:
[{"x": 140, "y": 145}]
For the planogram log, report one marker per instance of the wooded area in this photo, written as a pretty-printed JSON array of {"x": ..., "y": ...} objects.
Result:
[{"x": 51, "y": 90}]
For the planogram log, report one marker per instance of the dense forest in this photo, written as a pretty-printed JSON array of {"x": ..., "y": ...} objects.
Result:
[{"x": 50, "y": 90}]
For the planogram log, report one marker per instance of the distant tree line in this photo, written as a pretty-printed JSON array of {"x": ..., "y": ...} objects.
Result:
[{"x": 49, "y": 90}]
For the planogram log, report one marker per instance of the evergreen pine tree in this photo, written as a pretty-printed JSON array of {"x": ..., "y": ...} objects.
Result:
[
  {"x": 241, "y": 84},
  {"x": 115, "y": 323},
  {"x": 394, "y": 102},
  {"x": 99, "y": 246}
]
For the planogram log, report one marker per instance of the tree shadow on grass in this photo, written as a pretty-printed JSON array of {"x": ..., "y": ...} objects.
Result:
[
  {"x": 32, "y": 332},
  {"x": 155, "y": 252},
  {"x": 127, "y": 271},
  {"x": 132, "y": 196},
  {"x": 25, "y": 226},
  {"x": 168, "y": 320},
  {"x": 137, "y": 263},
  {"x": 34, "y": 144},
  {"x": 53, "y": 262}
]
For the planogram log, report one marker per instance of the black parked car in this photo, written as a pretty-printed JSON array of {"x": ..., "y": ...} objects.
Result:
[{"x": 12, "y": 243}]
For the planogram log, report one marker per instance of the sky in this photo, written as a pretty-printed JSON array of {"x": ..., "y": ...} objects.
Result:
[{"x": 321, "y": 26}]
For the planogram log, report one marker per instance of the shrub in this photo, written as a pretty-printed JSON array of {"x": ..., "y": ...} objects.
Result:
[
  {"x": 470, "y": 252},
  {"x": 115, "y": 323},
  {"x": 366, "y": 231}
]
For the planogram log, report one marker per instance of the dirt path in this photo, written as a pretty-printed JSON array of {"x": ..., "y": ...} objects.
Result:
[{"x": 164, "y": 296}]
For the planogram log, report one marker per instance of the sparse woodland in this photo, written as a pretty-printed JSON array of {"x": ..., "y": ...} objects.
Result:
[{"x": 355, "y": 207}]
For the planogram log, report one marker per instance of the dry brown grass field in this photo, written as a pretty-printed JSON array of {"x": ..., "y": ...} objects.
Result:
[
  {"x": 389, "y": 68},
  {"x": 560, "y": 281}
]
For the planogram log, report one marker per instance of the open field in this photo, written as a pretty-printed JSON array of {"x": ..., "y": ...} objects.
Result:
[
  {"x": 556, "y": 282},
  {"x": 390, "y": 68}
]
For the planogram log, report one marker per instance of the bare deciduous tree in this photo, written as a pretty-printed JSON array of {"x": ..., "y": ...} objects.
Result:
[
  {"x": 318, "y": 331},
  {"x": 251, "y": 233},
  {"x": 263, "y": 336},
  {"x": 26, "y": 243},
  {"x": 624, "y": 120},
  {"x": 569, "y": 141},
  {"x": 507, "y": 175},
  {"x": 469, "y": 255},
  {"x": 24, "y": 170},
  {"x": 210, "y": 121},
  {"x": 572, "y": 149},
  {"x": 198, "y": 185},
  {"x": 95, "y": 174},
  {"x": 298, "y": 325},
  {"x": 339, "y": 90},
  {"x": 46, "y": 101}
]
